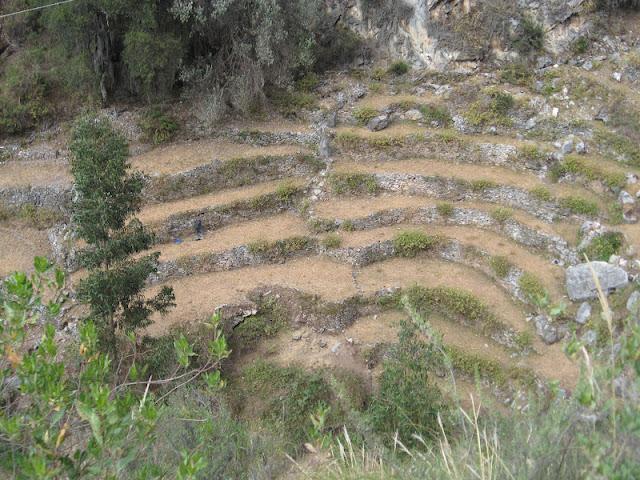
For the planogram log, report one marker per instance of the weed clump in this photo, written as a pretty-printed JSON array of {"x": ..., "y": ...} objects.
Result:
[
  {"x": 579, "y": 205},
  {"x": 603, "y": 246},
  {"x": 353, "y": 183},
  {"x": 286, "y": 191},
  {"x": 516, "y": 73},
  {"x": 482, "y": 185},
  {"x": 364, "y": 115},
  {"x": 532, "y": 288},
  {"x": 436, "y": 114},
  {"x": 500, "y": 266},
  {"x": 157, "y": 126},
  {"x": 410, "y": 243},
  {"x": 399, "y": 68},
  {"x": 541, "y": 193},
  {"x": 280, "y": 248},
  {"x": 501, "y": 214},
  {"x": 492, "y": 109},
  {"x": 332, "y": 240},
  {"x": 445, "y": 209}
]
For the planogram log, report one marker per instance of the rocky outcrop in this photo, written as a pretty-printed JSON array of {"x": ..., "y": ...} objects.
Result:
[{"x": 581, "y": 285}]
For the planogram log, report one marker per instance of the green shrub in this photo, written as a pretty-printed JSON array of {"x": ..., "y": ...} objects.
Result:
[
  {"x": 516, "y": 73},
  {"x": 603, "y": 246},
  {"x": 616, "y": 213},
  {"x": 437, "y": 114},
  {"x": 399, "y": 68},
  {"x": 530, "y": 38},
  {"x": 353, "y": 183},
  {"x": 322, "y": 225},
  {"x": 445, "y": 209},
  {"x": 364, "y": 114},
  {"x": 579, "y": 205},
  {"x": 580, "y": 45},
  {"x": 348, "y": 226},
  {"x": 332, "y": 240},
  {"x": 482, "y": 185},
  {"x": 501, "y": 214},
  {"x": 286, "y": 191},
  {"x": 500, "y": 266},
  {"x": 157, "y": 126},
  {"x": 39, "y": 217},
  {"x": 532, "y": 288},
  {"x": 541, "y": 193},
  {"x": 408, "y": 402},
  {"x": 267, "y": 323},
  {"x": 290, "y": 104},
  {"x": 410, "y": 243},
  {"x": 524, "y": 341},
  {"x": 280, "y": 248},
  {"x": 492, "y": 109}
]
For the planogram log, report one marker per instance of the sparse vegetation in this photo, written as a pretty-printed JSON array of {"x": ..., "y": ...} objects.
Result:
[
  {"x": 501, "y": 214},
  {"x": 603, "y": 246},
  {"x": 516, "y": 73},
  {"x": 532, "y": 288},
  {"x": 157, "y": 126},
  {"x": 399, "y": 68},
  {"x": 482, "y": 185},
  {"x": 331, "y": 241},
  {"x": 436, "y": 114},
  {"x": 445, "y": 209},
  {"x": 500, "y": 266},
  {"x": 492, "y": 109},
  {"x": 353, "y": 183},
  {"x": 541, "y": 193},
  {"x": 580, "y": 206},
  {"x": 364, "y": 114}
]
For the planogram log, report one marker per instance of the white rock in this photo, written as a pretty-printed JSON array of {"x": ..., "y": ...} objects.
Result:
[
  {"x": 625, "y": 198},
  {"x": 581, "y": 148},
  {"x": 633, "y": 303},
  {"x": 581, "y": 286},
  {"x": 414, "y": 115},
  {"x": 555, "y": 112},
  {"x": 617, "y": 76}
]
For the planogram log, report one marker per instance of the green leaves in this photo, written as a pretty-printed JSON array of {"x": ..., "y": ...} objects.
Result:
[{"x": 184, "y": 351}]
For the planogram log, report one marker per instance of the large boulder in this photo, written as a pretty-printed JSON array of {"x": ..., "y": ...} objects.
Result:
[
  {"x": 379, "y": 123},
  {"x": 580, "y": 283}
]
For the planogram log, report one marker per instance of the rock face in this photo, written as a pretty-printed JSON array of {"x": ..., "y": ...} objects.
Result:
[
  {"x": 379, "y": 123},
  {"x": 581, "y": 286},
  {"x": 584, "y": 313},
  {"x": 545, "y": 330},
  {"x": 424, "y": 31}
]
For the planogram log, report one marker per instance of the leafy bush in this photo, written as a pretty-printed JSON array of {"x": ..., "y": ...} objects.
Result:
[
  {"x": 407, "y": 402},
  {"x": 580, "y": 45},
  {"x": 500, "y": 266},
  {"x": 353, "y": 183},
  {"x": 532, "y": 288},
  {"x": 531, "y": 38},
  {"x": 541, "y": 193},
  {"x": 445, "y": 209},
  {"x": 286, "y": 191},
  {"x": 158, "y": 127},
  {"x": 501, "y": 214},
  {"x": 410, "y": 243},
  {"x": 603, "y": 246},
  {"x": 332, "y": 240},
  {"x": 492, "y": 109},
  {"x": 482, "y": 185},
  {"x": 399, "y": 67},
  {"x": 436, "y": 114},
  {"x": 364, "y": 114},
  {"x": 579, "y": 205},
  {"x": 290, "y": 103}
]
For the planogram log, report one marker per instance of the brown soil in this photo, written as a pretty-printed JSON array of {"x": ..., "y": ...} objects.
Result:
[
  {"x": 34, "y": 172},
  {"x": 198, "y": 296},
  {"x": 551, "y": 275},
  {"x": 18, "y": 247},
  {"x": 269, "y": 229},
  {"x": 158, "y": 212},
  {"x": 180, "y": 157}
]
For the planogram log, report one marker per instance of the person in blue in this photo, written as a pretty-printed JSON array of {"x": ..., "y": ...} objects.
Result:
[{"x": 199, "y": 227}]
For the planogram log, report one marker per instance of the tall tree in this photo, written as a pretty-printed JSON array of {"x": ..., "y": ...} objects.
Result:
[{"x": 108, "y": 197}]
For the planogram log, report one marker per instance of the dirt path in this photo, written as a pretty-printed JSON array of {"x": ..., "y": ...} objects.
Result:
[
  {"x": 180, "y": 157},
  {"x": 264, "y": 229},
  {"x": 34, "y": 172},
  {"x": 18, "y": 247},
  {"x": 157, "y": 212}
]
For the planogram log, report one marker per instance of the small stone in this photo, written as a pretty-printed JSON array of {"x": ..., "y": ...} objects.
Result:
[
  {"x": 332, "y": 119},
  {"x": 322, "y": 344},
  {"x": 617, "y": 76},
  {"x": 632, "y": 179},
  {"x": 625, "y": 198},
  {"x": 336, "y": 347},
  {"x": 545, "y": 330},
  {"x": 297, "y": 337},
  {"x": 589, "y": 337},
  {"x": 493, "y": 130},
  {"x": 581, "y": 148},
  {"x": 584, "y": 313},
  {"x": 567, "y": 147},
  {"x": 588, "y": 65},
  {"x": 555, "y": 112},
  {"x": 531, "y": 124},
  {"x": 633, "y": 303},
  {"x": 413, "y": 115},
  {"x": 379, "y": 123}
]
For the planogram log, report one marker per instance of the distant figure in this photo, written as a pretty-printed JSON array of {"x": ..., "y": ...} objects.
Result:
[{"x": 199, "y": 227}]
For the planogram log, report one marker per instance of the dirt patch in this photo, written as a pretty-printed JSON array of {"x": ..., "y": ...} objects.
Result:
[
  {"x": 198, "y": 296},
  {"x": 185, "y": 156},
  {"x": 34, "y": 172},
  {"x": 18, "y": 247},
  {"x": 379, "y": 102},
  {"x": 268, "y": 229},
  {"x": 157, "y": 212}
]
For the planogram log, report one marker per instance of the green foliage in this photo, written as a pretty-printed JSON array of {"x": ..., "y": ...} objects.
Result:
[
  {"x": 364, "y": 114},
  {"x": 290, "y": 103},
  {"x": 331, "y": 241},
  {"x": 410, "y": 243},
  {"x": 445, "y": 209},
  {"x": 501, "y": 214},
  {"x": 353, "y": 183},
  {"x": 407, "y": 402},
  {"x": 516, "y": 73},
  {"x": 436, "y": 114},
  {"x": 75, "y": 419},
  {"x": 492, "y": 109},
  {"x": 541, "y": 193},
  {"x": 399, "y": 68},
  {"x": 580, "y": 206},
  {"x": 267, "y": 323},
  {"x": 157, "y": 126},
  {"x": 280, "y": 248},
  {"x": 108, "y": 195},
  {"x": 482, "y": 185},
  {"x": 622, "y": 147},
  {"x": 531, "y": 37},
  {"x": 532, "y": 288},
  {"x": 308, "y": 82},
  {"x": 603, "y": 246},
  {"x": 500, "y": 266},
  {"x": 286, "y": 191},
  {"x": 575, "y": 165},
  {"x": 580, "y": 45}
]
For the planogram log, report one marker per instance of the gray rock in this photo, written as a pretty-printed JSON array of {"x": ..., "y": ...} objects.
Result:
[
  {"x": 584, "y": 313},
  {"x": 617, "y": 76},
  {"x": 625, "y": 198},
  {"x": 531, "y": 123},
  {"x": 567, "y": 147},
  {"x": 633, "y": 303},
  {"x": 544, "y": 62},
  {"x": 588, "y": 65},
  {"x": 332, "y": 119},
  {"x": 589, "y": 337},
  {"x": 379, "y": 123},
  {"x": 546, "y": 330},
  {"x": 581, "y": 286},
  {"x": 414, "y": 115},
  {"x": 581, "y": 148}
]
